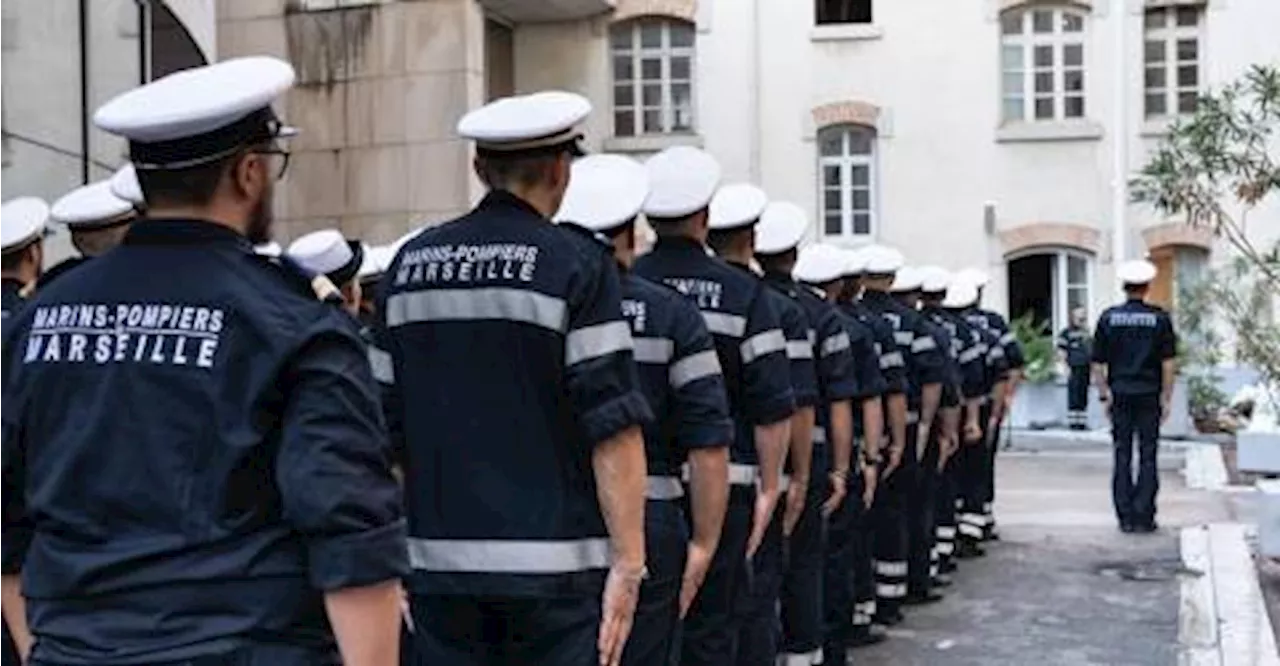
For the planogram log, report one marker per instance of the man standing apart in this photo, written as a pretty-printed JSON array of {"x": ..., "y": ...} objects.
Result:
[
  {"x": 681, "y": 379},
  {"x": 518, "y": 412},
  {"x": 1074, "y": 348},
  {"x": 1133, "y": 366}
]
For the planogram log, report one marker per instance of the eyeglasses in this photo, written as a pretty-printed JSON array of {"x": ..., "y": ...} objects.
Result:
[{"x": 284, "y": 159}]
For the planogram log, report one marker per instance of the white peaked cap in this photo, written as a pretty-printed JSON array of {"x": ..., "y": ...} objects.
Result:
[
  {"x": 934, "y": 279},
  {"x": 269, "y": 249},
  {"x": 196, "y": 101},
  {"x": 91, "y": 206},
  {"x": 682, "y": 181},
  {"x": 22, "y": 220},
  {"x": 377, "y": 260},
  {"x": 736, "y": 206},
  {"x": 124, "y": 184},
  {"x": 855, "y": 261},
  {"x": 525, "y": 122},
  {"x": 1136, "y": 272},
  {"x": 974, "y": 276},
  {"x": 782, "y": 227},
  {"x": 907, "y": 278},
  {"x": 819, "y": 263},
  {"x": 326, "y": 252},
  {"x": 883, "y": 260},
  {"x": 960, "y": 294},
  {"x": 605, "y": 192}
]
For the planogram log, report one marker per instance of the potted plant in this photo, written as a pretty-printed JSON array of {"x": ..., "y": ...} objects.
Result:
[{"x": 1041, "y": 398}]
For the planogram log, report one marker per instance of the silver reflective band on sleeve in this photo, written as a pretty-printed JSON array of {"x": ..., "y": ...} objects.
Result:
[
  {"x": 720, "y": 323},
  {"x": 970, "y": 355},
  {"x": 743, "y": 475},
  {"x": 891, "y": 360},
  {"x": 509, "y": 556},
  {"x": 653, "y": 351},
  {"x": 380, "y": 364},
  {"x": 494, "y": 303},
  {"x": 1008, "y": 338},
  {"x": 762, "y": 344},
  {"x": 923, "y": 343},
  {"x": 693, "y": 367},
  {"x": 891, "y": 567},
  {"x": 903, "y": 337},
  {"x": 819, "y": 435},
  {"x": 799, "y": 349},
  {"x": 663, "y": 488},
  {"x": 835, "y": 344},
  {"x": 591, "y": 342}
]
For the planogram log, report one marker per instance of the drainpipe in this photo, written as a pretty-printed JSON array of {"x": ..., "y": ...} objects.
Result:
[
  {"x": 144, "y": 39},
  {"x": 84, "y": 91},
  {"x": 1119, "y": 142},
  {"x": 756, "y": 112}
]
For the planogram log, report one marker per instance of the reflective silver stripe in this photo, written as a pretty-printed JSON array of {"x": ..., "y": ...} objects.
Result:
[
  {"x": 1008, "y": 338},
  {"x": 799, "y": 349},
  {"x": 819, "y": 435},
  {"x": 813, "y": 337},
  {"x": 946, "y": 548},
  {"x": 903, "y": 337},
  {"x": 891, "y": 591},
  {"x": 509, "y": 556},
  {"x": 654, "y": 351},
  {"x": 725, "y": 324},
  {"x": 891, "y": 568},
  {"x": 891, "y": 360},
  {"x": 971, "y": 531},
  {"x": 663, "y": 488},
  {"x": 923, "y": 343},
  {"x": 868, "y": 607},
  {"x": 970, "y": 355},
  {"x": 913, "y": 418},
  {"x": 801, "y": 658},
  {"x": 693, "y": 367},
  {"x": 591, "y": 342},
  {"x": 743, "y": 475},
  {"x": 835, "y": 343},
  {"x": 380, "y": 364},
  {"x": 945, "y": 532},
  {"x": 762, "y": 344},
  {"x": 500, "y": 303}
]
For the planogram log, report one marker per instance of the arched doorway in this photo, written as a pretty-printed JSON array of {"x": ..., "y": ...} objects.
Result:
[{"x": 1048, "y": 283}]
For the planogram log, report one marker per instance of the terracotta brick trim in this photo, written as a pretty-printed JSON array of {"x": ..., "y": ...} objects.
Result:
[
  {"x": 1177, "y": 234},
  {"x": 851, "y": 112},
  {"x": 1006, "y": 5},
  {"x": 626, "y": 10},
  {"x": 1050, "y": 234}
]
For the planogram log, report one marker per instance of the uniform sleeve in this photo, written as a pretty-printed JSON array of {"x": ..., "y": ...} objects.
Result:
[
  {"x": 867, "y": 362},
  {"x": 927, "y": 355},
  {"x": 1062, "y": 340},
  {"x": 699, "y": 401},
  {"x": 972, "y": 365},
  {"x": 1101, "y": 341},
  {"x": 15, "y": 539},
  {"x": 381, "y": 365},
  {"x": 893, "y": 365},
  {"x": 836, "y": 369},
  {"x": 600, "y": 375},
  {"x": 767, "y": 393},
  {"x": 1168, "y": 339},
  {"x": 1009, "y": 341},
  {"x": 333, "y": 468},
  {"x": 800, "y": 338}
]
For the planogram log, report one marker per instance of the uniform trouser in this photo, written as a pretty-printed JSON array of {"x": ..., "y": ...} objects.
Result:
[
  {"x": 891, "y": 524},
  {"x": 802, "y": 580},
  {"x": 505, "y": 631},
  {"x": 848, "y": 599},
  {"x": 863, "y": 546},
  {"x": 970, "y": 484},
  {"x": 1078, "y": 396},
  {"x": 708, "y": 634},
  {"x": 756, "y": 608},
  {"x": 990, "y": 435},
  {"x": 945, "y": 512},
  {"x": 654, "y": 631},
  {"x": 921, "y": 560},
  {"x": 1135, "y": 415},
  {"x": 257, "y": 655}
]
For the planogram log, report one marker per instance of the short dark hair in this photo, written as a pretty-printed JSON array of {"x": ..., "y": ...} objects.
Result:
[
  {"x": 721, "y": 240},
  {"x": 10, "y": 261},
  {"x": 768, "y": 261},
  {"x": 670, "y": 226},
  {"x": 499, "y": 171},
  {"x": 193, "y": 186}
]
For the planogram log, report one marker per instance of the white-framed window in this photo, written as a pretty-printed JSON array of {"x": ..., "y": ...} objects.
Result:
[
  {"x": 1074, "y": 273},
  {"x": 1171, "y": 60},
  {"x": 1048, "y": 283},
  {"x": 835, "y": 12},
  {"x": 652, "y": 76},
  {"x": 1042, "y": 64},
  {"x": 847, "y": 180}
]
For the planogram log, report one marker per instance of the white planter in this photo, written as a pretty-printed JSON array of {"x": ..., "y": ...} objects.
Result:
[
  {"x": 1258, "y": 452},
  {"x": 1045, "y": 405},
  {"x": 1269, "y": 518}
]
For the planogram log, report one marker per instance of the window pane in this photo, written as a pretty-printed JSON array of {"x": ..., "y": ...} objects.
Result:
[
  {"x": 1073, "y": 55},
  {"x": 1187, "y": 49},
  {"x": 1187, "y": 102},
  {"x": 861, "y": 199},
  {"x": 1011, "y": 58},
  {"x": 1074, "y": 107},
  {"x": 831, "y": 175},
  {"x": 682, "y": 100},
  {"x": 1044, "y": 82},
  {"x": 860, "y": 175},
  {"x": 1072, "y": 22},
  {"x": 680, "y": 68},
  {"x": 1011, "y": 23},
  {"x": 1073, "y": 80},
  {"x": 1044, "y": 56},
  {"x": 1044, "y": 108},
  {"x": 1042, "y": 20},
  {"x": 624, "y": 123},
  {"x": 652, "y": 121},
  {"x": 859, "y": 142},
  {"x": 681, "y": 34},
  {"x": 831, "y": 142},
  {"x": 1187, "y": 76},
  {"x": 651, "y": 34},
  {"x": 1188, "y": 15},
  {"x": 651, "y": 69},
  {"x": 1012, "y": 83},
  {"x": 622, "y": 69},
  {"x": 1154, "y": 18},
  {"x": 1153, "y": 51},
  {"x": 833, "y": 225},
  {"x": 620, "y": 37},
  {"x": 831, "y": 200},
  {"x": 1154, "y": 78},
  {"x": 1076, "y": 270},
  {"x": 861, "y": 224},
  {"x": 1012, "y": 109},
  {"x": 652, "y": 95},
  {"x": 1155, "y": 105},
  {"x": 1077, "y": 297},
  {"x": 624, "y": 95}
]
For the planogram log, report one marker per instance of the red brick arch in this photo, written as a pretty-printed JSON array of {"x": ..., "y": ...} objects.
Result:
[
  {"x": 1177, "y": 234},
  {"x": 851, "y": 112},
  {"x": 1013, "y": 4},
  {"x": 1050, "y": 234},
  {"x": 686, "y": 10}
]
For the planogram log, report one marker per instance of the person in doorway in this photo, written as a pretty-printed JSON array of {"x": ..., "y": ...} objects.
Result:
[
  {"x": 1074, "y": 347},
  {"x": 1133, "y": 366}
]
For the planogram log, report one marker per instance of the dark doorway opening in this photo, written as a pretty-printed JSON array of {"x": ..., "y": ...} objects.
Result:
[
  {"x": 172, "y": 48},
  {"x": 499, "y": 56},
  {"x": 1031, "y": 288}
]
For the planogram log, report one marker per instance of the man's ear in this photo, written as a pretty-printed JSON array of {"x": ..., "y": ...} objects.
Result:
[{"x": 246, "y": 177}]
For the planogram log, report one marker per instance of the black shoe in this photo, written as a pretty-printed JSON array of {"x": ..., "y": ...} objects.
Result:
[
  {"x": 1126, "y": 527},
  {"x": 948, "y": 567},
  {"x": 942, "y": 580},
  {"x": 922, "y": 599},
  {"x": 892, "y": 619},
  {"x": 991, "y": 536},
  {"x": 864, "y": 638},
  {"x": 967, "y": 550},
  {"x": 1149, "y": 527}
]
